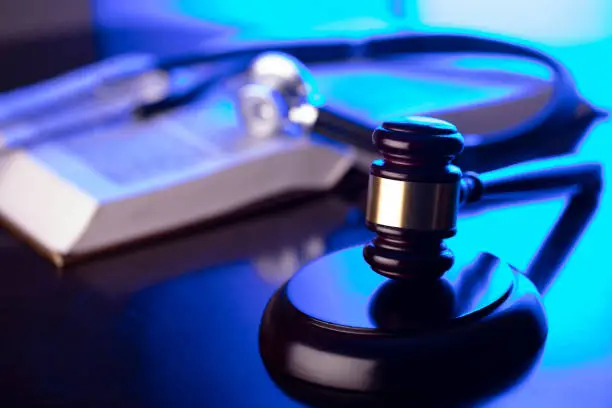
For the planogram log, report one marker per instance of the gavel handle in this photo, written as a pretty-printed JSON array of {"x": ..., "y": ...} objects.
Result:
[{"x": 550, "y": 176}]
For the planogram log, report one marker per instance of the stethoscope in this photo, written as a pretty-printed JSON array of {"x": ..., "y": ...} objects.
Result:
[{"x": 277, "y": 92}]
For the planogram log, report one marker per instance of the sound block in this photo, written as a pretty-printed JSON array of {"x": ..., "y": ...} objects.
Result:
[{"x": 339, "y": 326}]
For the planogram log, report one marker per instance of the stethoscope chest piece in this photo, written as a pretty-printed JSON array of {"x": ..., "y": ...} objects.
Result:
[
  {"x": 405, "y": 314},
  {"x": 279, "y": 96},
  {"x": 263, "y": 111}
]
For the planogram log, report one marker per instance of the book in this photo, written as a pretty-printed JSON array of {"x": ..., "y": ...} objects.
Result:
[{"x": 85, "y": 192}]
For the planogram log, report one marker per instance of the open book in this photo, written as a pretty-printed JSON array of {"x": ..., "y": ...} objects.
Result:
[{"x": 102, "y": 187}]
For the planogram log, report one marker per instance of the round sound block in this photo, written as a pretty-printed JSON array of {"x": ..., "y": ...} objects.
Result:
[{"x": 339, "y": 325}]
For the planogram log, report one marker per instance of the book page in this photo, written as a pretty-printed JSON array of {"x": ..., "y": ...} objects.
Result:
[{"x": 127, "y": 157}]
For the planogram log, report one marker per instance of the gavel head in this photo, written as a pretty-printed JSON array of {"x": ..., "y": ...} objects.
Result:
[
  {"x": 413, "y": 198},
  {"x": 276, "y": 85}
]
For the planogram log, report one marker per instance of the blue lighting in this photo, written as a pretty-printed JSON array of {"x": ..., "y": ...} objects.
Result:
[
  {"x": 563, "y": 22},
  {"x": 560, "y": 22},
  {"x": 279, "y": 17}
]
